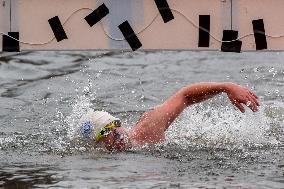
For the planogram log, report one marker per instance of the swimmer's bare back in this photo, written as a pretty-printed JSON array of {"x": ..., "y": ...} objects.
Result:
[{"x": 152, "y": 125}]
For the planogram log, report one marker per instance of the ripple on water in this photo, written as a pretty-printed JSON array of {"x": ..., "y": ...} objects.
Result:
[{"x": 210, "y": 145}]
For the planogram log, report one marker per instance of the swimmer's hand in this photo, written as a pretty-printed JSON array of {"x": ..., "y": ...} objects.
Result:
[{"x": 239, "y": 95}]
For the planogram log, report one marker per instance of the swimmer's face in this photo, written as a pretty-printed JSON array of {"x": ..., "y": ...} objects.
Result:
[{"x": 114, "y": 141}]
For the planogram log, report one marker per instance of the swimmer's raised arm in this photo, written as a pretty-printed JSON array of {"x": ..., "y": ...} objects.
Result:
[
  {"x": 152, "y": 124},
  {"x": 237, "y": 94}
]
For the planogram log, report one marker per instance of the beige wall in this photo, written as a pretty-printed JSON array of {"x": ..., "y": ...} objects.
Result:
[
  {"x": 31, "y": 19},
  {"x": 271, "y": 11}
]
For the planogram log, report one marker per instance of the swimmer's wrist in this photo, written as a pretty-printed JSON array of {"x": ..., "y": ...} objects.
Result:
[{"x": 226, "y": 86}]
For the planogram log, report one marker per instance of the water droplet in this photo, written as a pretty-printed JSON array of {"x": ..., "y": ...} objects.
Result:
[
  {"x": 248, "y": 103},
  {"x": 86, "y": 90},
  {"x": 274, "y": 73}
]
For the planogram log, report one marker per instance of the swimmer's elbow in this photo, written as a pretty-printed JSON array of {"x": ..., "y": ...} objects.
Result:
[{"x": 185, "y": 98}]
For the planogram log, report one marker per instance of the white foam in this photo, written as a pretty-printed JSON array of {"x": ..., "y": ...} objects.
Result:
[{"x": 222, "y": 126}]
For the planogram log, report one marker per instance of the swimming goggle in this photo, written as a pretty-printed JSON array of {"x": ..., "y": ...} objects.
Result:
[{"x": 106, "y": 130}]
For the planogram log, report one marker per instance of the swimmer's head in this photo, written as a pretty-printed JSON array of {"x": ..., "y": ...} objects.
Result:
[{"x": 96, "y": 125}]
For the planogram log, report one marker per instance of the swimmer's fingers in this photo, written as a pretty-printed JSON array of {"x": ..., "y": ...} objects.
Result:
[
  {"x": 251, "y": 103},
  {"x": 239, "y": 106},
  {"x": 255, "y": 98},
  {"x": 253, "y": 94}
]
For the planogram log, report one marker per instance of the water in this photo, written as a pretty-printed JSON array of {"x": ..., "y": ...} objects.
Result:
[{"x": 211, "y": 145}]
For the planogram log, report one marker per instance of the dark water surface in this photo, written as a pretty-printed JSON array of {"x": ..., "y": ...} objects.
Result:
[{"x": 211, "y": 145}]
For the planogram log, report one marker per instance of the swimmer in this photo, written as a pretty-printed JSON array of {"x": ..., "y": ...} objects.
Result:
[{"x": 106, "y": 130}]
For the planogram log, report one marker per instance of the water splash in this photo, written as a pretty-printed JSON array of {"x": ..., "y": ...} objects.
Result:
[
  {"x": 79, "y": 108},
  {"x": 221, "y": 126}
]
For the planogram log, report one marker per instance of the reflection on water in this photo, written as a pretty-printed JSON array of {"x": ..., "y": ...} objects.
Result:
[
  {"x": 24, "y": 177},
  {"x": 211, "y": 145}
]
